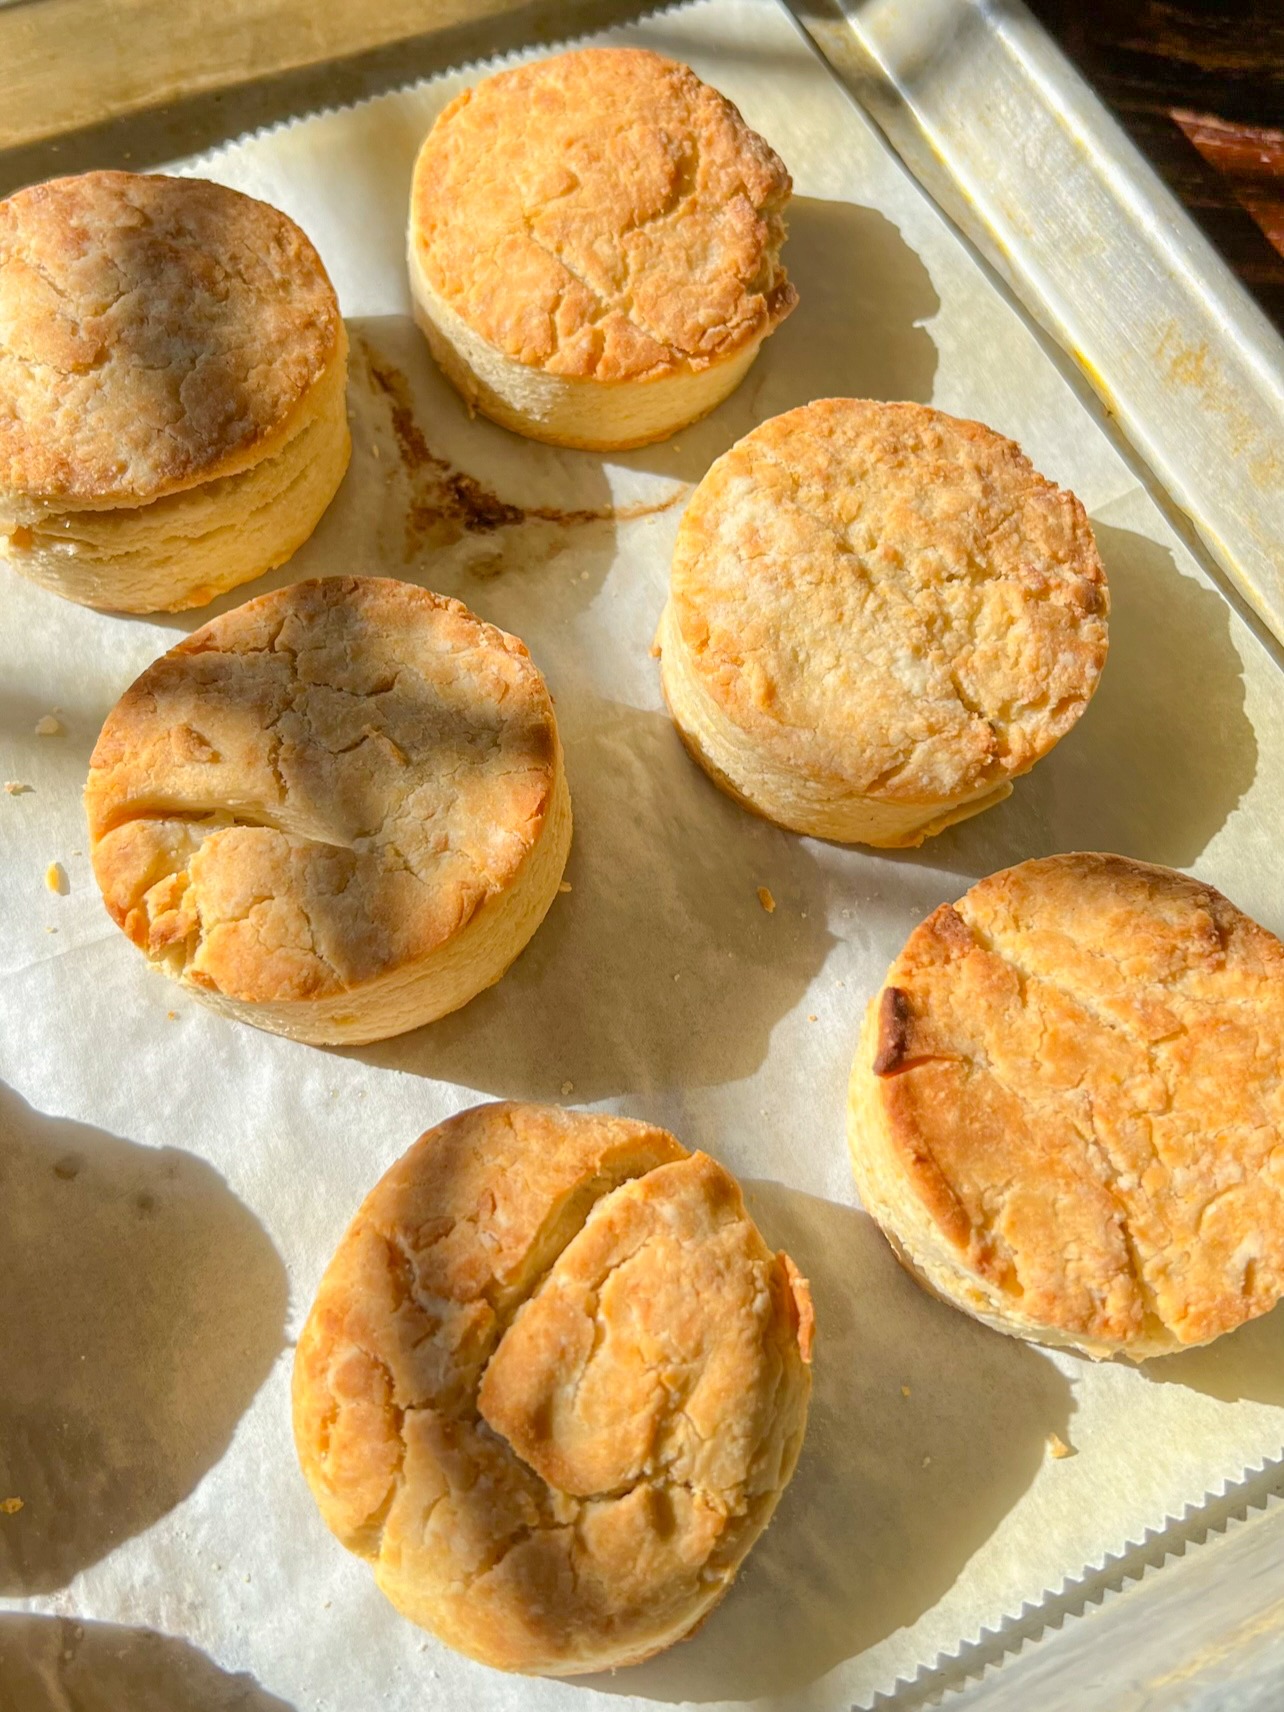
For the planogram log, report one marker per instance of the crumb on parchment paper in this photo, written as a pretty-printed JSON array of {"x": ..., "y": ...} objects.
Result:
[
  {"x": 11, "y": 1506},
  {"x": 565, "y": 886},
  {"x": 766, "y": 900},
  {"x": 16, "y": 788},
  {"x": 905, "y": 1391},
  {"x": 48, "y": 725},
  {"x": 568, "y": 1087},
  {"x": 1058, "y": 1448},
  {"x": 56, "y": 879}
]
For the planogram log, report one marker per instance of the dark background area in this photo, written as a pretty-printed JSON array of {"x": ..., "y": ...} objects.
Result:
[{"x": 1199, "y": 87}]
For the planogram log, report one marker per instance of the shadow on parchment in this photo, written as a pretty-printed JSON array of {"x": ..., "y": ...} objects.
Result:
[
  {"x": 141, "y": 1307},
  {"x": 664, "y": 875},
  {"x": 1246, "y": 1365},
  {"x": 55, "y": 1664},
  {"x": 893, "y": 1493},
  {"x": 857, "y": 333},
  {"x": 1164, "y": 750}
]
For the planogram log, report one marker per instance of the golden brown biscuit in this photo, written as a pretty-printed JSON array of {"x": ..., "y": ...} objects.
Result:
[
  {"x": 595, "y": 247},
  {"x": 1067, "y": 1107},
  {"x": 172, "y": 389},
  {"x": 552, "y": 1386},
  {"x": 337, "y": 812},
  {"x": 878, "y": 617}
]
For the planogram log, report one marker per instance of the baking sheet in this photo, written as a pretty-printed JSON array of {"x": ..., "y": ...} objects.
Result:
[{"x": 173, "y": 1183}]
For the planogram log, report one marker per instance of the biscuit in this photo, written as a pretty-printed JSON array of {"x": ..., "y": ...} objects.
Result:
[
  {"x": 878, "y": 617},
  {"x": 595, "y": 247},
  {"x": 552, "y": 1386},
  {"x": 337, "y": 812},
  {"x": 1066, "y": 1109},
  {"x": 173, "y": 368}
]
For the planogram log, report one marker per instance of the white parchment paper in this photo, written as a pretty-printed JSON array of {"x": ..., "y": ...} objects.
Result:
[{"x": 171, "y": 1184}]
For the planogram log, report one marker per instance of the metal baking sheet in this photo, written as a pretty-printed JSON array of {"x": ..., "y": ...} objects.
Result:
[{"x": 1196, "y": 785}]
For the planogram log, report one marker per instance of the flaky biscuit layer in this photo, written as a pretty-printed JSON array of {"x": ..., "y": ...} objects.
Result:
[
  {"x": 338, "y": 811},
  {"x": 552, "y": 1386},
  {"x": 1067, "y": 1107},
  {"x": 595, "y": 246},
  {"x": 879, "y": 615},
  {"x": 184, "y": 549},
  {"x": 154, "y": 333}
]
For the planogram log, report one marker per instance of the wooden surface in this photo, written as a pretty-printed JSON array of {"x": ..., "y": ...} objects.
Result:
[
  {"x": 1198, "y": 84},
  {"x": 1199, "y": 87}
]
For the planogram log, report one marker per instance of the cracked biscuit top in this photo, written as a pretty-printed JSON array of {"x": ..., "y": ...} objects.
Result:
[
  {"x": 603, "y": 214},
  {"x": 889, "y": 599},
  {"x": 552, "y": 1385},
  {"x": 155, "y": 333},
  {"x": 319, "y": 788},
  {"x": 1079, "y": 1068}
]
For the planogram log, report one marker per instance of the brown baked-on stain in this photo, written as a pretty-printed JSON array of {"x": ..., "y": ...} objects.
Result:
[
  {"x": 893, "y": 1030},
  {"x": 447, "y": 503}
]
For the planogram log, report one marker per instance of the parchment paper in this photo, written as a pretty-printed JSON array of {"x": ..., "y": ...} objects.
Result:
[{"x": 171, "y": 1184}]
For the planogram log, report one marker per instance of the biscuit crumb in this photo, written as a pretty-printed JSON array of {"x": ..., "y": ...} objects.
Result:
[
  {"x": 927, "y": 1462},
  {"x": 48, "y": 726},
  {"x": 565, "y": 886},
  {"x": 811, "y": 1016},
  {"x": 15, "y": 788},
  {"x": 11, "y": 1506},
  {"x": 568, "y": 1087},
  {"x": 172, "y": 1015},
  {"x": 766, "y": 900},
  {"x": 56, "y": 879},
  {"x": 1058, "y": 1448},
  {"x": 905, "y": 1391}
]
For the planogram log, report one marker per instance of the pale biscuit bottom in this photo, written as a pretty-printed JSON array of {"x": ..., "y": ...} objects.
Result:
[
  {"x": 184, "y": 549},
  {"x": 569, "y": 410},
  {"x": 917, "y": 1242},
  {"x": 416, "y": 993},
  {"x": 817, "y": 807}
]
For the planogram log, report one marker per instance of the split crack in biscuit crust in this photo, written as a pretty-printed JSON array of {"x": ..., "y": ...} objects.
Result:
[
  {"x": 878, "y": 616},
  {"x": 1067, "y": 1109},
  {"x": 595, "y": 246},
  {"x": 552, "y": 1386},
  {"x": 172, "y": 388},
  {"x": 337, "y": 812}
]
